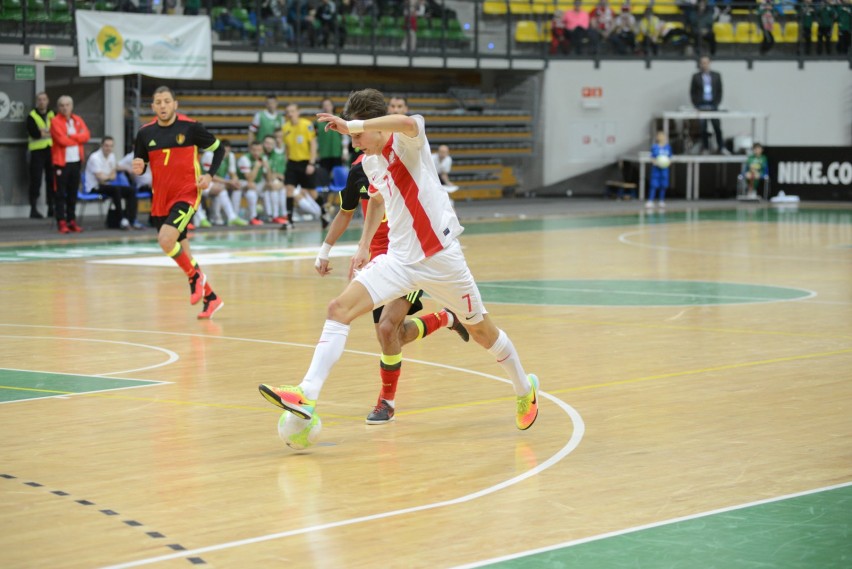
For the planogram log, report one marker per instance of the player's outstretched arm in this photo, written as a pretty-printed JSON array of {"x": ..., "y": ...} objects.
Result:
[{"x": 388, "y": 123}]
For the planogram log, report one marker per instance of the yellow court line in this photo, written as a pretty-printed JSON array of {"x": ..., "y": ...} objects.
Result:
[
  {"x": 468, "y": 404},
  {"x": 15, "y": 388},
  {"x": 563, "y": 320},
  {"x": 704, "y": 370}
]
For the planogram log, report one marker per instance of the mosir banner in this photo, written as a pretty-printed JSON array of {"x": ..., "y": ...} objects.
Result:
[{"x": 174, "y": 47}]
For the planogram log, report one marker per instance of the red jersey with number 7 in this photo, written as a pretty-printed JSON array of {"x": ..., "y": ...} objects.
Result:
[{"x": 171, "y": 153}]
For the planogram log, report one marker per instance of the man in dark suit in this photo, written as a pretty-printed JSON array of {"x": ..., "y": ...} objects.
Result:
[{"x": 706, "y": 93}]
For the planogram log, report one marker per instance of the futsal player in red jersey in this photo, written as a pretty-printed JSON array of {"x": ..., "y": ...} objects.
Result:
[
  {"x": 392, "y": 329},
  {"x": 169, "y": 146}
]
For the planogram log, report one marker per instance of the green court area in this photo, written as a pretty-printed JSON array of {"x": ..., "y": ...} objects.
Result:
[
  {"x": 561, "y": 220},
  {"x": 20, "y": 385},
  {"x": 593, "y": 292},
  {"x": 811, "y": 531}
]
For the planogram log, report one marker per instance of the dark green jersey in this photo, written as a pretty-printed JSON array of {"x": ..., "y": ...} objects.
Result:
[{"x": 329, "y": 143}]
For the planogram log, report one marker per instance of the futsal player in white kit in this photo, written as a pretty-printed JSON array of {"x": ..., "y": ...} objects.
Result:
[{"x": 423, "y": 253}]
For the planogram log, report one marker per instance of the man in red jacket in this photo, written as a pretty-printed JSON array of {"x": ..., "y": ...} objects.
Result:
[{"x": 69, "y": 134}]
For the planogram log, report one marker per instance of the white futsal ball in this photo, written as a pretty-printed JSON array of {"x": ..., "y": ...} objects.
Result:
[
  {"x": 299, "y": 433},
  {"x": 662, "y": 161}
]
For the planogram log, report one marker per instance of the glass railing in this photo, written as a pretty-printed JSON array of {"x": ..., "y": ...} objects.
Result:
[{"x": 518, "y": 29}]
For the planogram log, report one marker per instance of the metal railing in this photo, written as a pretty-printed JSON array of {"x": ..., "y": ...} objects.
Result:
[{"x": 532, "y": 30}]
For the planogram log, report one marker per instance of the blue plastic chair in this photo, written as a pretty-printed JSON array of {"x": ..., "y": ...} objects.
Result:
[{"x": 339, "y": 175}]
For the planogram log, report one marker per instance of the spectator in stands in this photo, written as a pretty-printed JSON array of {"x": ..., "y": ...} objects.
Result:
[
  {"x": 766, "y": 16},
  {"x": 102, "y": 178},
  {"x": 661, "y": 152},
  {"x": 329, "y": 29},
  {"x": 41, "y": 167},
  {"x": 706, "y": 94},
  {"x": 755, "y": 169},
  {"x": 651, "y": 31},
  {"x": 444, "y": 165},
  {"x": 273, "y": 16},
  {"x": 412, "y": 9},
  {"x": 330, "y": 143},
  {"x": 69, "y": 133},
  {"x": 844, "y": 25},
  {"x": 577, "y": 27},
  {"x": 274, "y": 194},
  {"x": 227, "y": 21},
  {"x": 558, "y": 34},
  {"x": 142, "y": 182},
  {"x": 601, "y": 23},
  {"x": 826, "y": 15},
  {"x": 300, "y": 15},
  {"x": 807, "y": 15},
  {"x": 300, "y": 142},
  {"x": 266, "y": 122},
  {"x": 623, "y": 36},
  {"x": 253, "y": 169},
  {"x": 701, "y": 27}
]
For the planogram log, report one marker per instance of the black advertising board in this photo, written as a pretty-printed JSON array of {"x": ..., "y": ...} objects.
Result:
[{"x": 811, "y": 172}]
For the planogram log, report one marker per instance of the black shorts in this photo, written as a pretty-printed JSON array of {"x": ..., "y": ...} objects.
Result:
[
  {"x": 413, "y": 298},
  {"x": 179, "y": 217},
  {"x": 296, "y": 175}
]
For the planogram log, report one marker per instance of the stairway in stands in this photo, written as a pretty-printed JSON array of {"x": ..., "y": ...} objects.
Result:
[{"x": 481, "y": 137}]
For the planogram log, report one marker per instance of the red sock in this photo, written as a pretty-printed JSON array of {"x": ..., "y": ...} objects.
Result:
[
  {"x": 184, "y": 261},
  {"x": 391, "y": 366},
  {"x": 430, "y": 322},
  {"x": 208, "y": 290}
]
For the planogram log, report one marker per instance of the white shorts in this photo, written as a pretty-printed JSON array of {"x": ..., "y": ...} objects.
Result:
[{"x": 444, "y": 276}]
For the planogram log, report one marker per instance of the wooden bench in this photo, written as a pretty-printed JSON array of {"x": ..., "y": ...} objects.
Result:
[{"x": 620, "y": 190}]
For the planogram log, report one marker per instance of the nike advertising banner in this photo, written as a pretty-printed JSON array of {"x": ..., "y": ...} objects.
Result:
[
  {"x": 172, "y": 47},
  {"x": 811, "y": 172}
]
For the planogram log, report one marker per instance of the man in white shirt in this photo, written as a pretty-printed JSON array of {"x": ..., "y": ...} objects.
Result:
[
  {"x": 102, "y": 178},
  {"x": 423, "y": 253},
  {"x": 444, "y": 164}
]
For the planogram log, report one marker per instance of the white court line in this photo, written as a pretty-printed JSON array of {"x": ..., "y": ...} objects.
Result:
[
  {"x": 576, "y": 436},
  {"x": 172, "y": 356},
  {"x": 648, "y": 526},
  {"x": 148, "y": 383},
  {"x": 625, "y": 239}
]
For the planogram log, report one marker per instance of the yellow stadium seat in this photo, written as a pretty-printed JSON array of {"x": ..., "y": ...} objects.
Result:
[
  {"x": 638, "y": 8},
  {"x": 747, "y": 32},
  {"x": 666, "y": 8},
  {"x": 777, "y": 33},
  {"x": 791, "y": 32},
  {"x": 834, "y": 33},
  {"x": 494, "y": 7},
  {"x": 544, "y": 6},
  {"x": 526, "y": 32},
  {"x": 523, "y": 8},
  {"x": 724, "y": 32}
]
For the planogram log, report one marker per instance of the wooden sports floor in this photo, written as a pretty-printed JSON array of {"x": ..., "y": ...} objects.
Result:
[{"x": 696, "y": 404}]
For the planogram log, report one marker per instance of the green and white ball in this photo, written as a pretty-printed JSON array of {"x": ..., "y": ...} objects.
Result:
[{"x": 298, "y": 433}]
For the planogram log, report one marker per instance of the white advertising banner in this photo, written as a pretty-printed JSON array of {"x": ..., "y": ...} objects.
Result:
[{"x": 173, "y": 47}]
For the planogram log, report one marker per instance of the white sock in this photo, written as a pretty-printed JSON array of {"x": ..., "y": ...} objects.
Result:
[
  {"x": 328, "y": 351},
  {"x": 309, "y": 205},
  {"x": 282, "y": 202},
  {"x": 251, "y": 201},
  {"x": 508, "y": 358},
  {"x": 224, "y": 202},
  {"x": 237, "y": 200}
]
